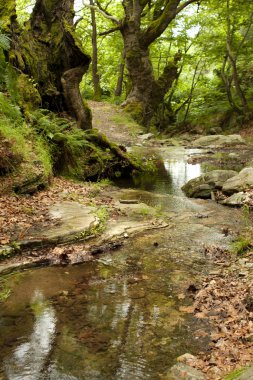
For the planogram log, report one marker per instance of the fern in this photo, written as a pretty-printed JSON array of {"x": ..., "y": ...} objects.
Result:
[
  {"x": 10, "y": 111},
  {"x": 11, "y": 78},
  {"x": 4, "y": 41}
]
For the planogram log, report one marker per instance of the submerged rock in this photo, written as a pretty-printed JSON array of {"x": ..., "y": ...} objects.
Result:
[
  {"x": 239, "y": 182},
  {"x": 218, "y": 141},
  {"x": 202, "y": 186},
  {"x": 184, "y": 372}
]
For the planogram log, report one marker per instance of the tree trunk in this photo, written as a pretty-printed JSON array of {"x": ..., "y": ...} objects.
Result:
[
  {"x": 146, "y": 93},
  {"x": 232, "y": 57},
  {"x": 119, "y": 86},
  {"x": 227, "y": 85},
  {"x": 95, "y": 75},
  {"x": 49, "y": 52},
  {"x": 141, "y": 76}
]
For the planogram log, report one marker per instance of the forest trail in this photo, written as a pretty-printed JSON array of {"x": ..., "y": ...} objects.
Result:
[{"x": 117, "y": 125}]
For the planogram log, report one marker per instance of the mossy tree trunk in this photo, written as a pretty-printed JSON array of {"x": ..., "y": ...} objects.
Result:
[
  {"x": 146, "y": 93},
  {"x": 47, "y": 50},
  {"x": 95, "y": 74}
]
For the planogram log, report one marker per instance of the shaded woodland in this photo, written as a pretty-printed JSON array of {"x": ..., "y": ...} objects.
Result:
[{"x": 175, "y": 66}]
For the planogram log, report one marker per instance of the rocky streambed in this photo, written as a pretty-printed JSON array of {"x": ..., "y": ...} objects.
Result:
[{"x": 125, "y": 314}]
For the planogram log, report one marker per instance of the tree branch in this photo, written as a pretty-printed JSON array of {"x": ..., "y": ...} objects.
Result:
[
  {"x": 188, "y": 2},
  {"x": 105, "y": 14},
  {"x": 109, "y": 31},
  {"x": 158, "y": 26},
  {"x": 103, "y": 9}
]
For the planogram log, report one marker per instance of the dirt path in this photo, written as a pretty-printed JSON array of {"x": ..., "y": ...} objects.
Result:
[{"x": 114, "y": 123}]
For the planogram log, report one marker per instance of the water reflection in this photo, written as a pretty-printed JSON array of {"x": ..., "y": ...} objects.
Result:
[
  {"x": 116, "y": 319},
  {"x": 29, "y": 358},
  {"x": 173, "y": 172},
  {"x": 181, "y": 172}
]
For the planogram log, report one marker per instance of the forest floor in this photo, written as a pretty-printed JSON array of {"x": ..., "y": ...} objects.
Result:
[{"x": 224, "y": 298}]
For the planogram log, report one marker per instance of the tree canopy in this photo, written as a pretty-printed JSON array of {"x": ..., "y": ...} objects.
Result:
[{"x": 169, "y": 62}]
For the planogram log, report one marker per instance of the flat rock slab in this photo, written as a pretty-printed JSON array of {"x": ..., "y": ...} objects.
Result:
[
  {"x": 123, "y": 228},
  {"x": 136, "y": 218},
  {"x": 218, "y": 141},
  {"x": 72, "y": 221}
]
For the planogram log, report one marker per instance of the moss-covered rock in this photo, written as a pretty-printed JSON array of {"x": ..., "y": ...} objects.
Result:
[
  {"x": 202, "y": 186},
  {"x": 90, "y": 156}
]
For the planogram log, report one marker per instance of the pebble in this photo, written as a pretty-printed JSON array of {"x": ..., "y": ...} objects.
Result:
[{"x": 242, "y": 274}]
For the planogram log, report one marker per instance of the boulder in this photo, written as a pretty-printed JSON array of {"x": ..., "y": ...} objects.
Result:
[
  {"x": 215, "y": 131},
  {"x": 202, "y": 187},
  {"x": 239, "y": 182},
  {"x": 236, "y": 200},
  {"x": 217, "y": 141},
  {"x": 184, "y": 372},
  {"x": 32, "y": 177}
]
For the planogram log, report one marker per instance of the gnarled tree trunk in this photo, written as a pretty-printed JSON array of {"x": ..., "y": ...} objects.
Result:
[
  {"x": 48, "y": 51},
  {"x": 146, "y": 93}
]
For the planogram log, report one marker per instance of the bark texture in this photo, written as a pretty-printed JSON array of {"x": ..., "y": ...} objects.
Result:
[
  {"x": 95, "y": 74},
  {"x": 48, "y": 50},
  {"x": 147, "y": 93}
]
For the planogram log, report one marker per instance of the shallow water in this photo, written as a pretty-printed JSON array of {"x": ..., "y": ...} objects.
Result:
[
  {"x": 173, "y": 171},
  {"x": 117, "y": 317}
]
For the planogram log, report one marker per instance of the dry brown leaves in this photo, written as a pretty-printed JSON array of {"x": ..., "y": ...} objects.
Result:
[
  {"x": 226, "y": 303},
  {"x": 19, "y": 214}
]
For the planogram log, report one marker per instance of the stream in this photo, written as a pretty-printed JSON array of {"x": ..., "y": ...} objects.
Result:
[{"x": 122, "y": 315}]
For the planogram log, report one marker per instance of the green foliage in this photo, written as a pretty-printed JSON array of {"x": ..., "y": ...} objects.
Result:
[
  {"x": 23, "y": 144},
  {"x": 102, "y": 214},
  {"x": 10, "y": 111},
  {"x": 16, "y": 136},
  {"x": 4, "y": 41},
  {"x": 4, "y": 292},
  {"x": 240, "y": 245}
]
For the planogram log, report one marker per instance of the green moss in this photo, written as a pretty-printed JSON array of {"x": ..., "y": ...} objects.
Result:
[
  {"x": 241, "y": 245},
  {"x": 16, "y": 138},
  {"x": 7, "y": 12},
  {"x": 10, "y": 110},
  {"x": 133, "y": 54},
  {"x": 44, "y": 156},
  {"x": 135, "y": 109},
  {"x": 29, "y": 97}
]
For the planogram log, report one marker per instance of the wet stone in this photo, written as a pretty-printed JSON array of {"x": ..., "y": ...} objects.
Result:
[{"x": 182, "y": 371}]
